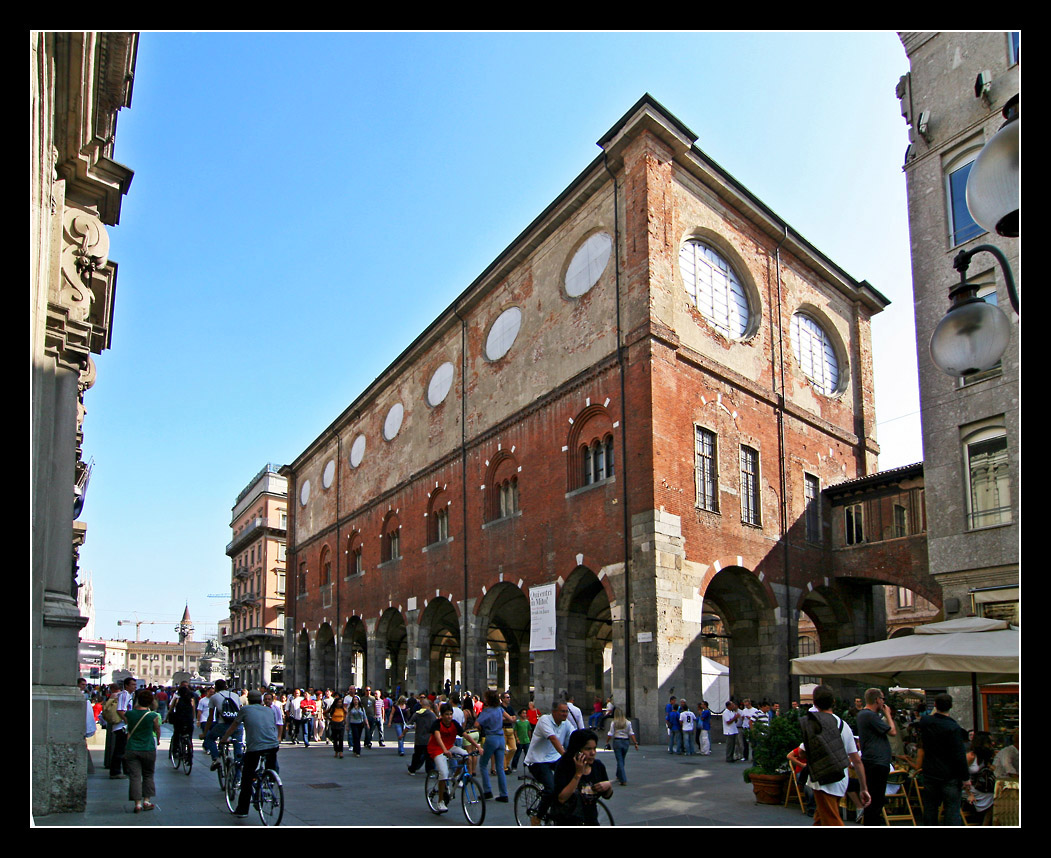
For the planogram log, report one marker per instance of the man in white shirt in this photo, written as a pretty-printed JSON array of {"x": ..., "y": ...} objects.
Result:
[
  {"x": 548, "y": 744},
  {"x": 125, "y": 701},
  {"x": 576, "y": 717},
  {"x": 731, "y": 717},
  {"x": 689, "y": 724},
  {"x": 748, "y": 715}
]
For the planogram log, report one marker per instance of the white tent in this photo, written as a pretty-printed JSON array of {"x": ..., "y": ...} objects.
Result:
[{"x": 715, "y": 680}]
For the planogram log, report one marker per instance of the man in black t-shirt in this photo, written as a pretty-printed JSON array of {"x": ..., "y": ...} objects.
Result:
[{"x": 943, "y": 761}]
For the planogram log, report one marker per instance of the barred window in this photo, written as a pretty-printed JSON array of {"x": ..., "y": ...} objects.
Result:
[
  {"x": 750, "y": 499},
  {"x": 714, "y": 288},
  {"x": 812, "y": 497},
  {"x": 707, "y": 470}
]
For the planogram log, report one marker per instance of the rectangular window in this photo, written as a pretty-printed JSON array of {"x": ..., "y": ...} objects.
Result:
[
  {"x": 442, "y": 522},
  {"x": 750, "y": 500},
  {"x": 812, "y": 498},
  {"x": 281, "y": 583},
  {"x": 854, "y": 519},
  {"x": 988, "y": 482},
  {"x": 961, "y": 225},
  {"x": 906, "y": 598},
  {"x": 901, "y": 521},
  {"x": 707, "y": 470}
]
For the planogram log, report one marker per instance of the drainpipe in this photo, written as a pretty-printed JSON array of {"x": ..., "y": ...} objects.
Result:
[
  {"x": 339, "y": 636},
  {"x": 463, "y": 485},
  {"x": 621, "y": 360},
  {"x": 782, "y": 468}
]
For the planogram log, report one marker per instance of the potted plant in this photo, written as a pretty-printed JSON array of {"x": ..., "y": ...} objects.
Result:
[{"x": 770, "y": 746}]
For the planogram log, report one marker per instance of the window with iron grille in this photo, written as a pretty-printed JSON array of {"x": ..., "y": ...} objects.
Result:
[
  {"x": 812, "y": 498},
  {"x": 707, "y": 470},
  {"x": 750, "y": 499}
]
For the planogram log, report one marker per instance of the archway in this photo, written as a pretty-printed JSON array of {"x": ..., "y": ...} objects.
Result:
[
  {"x": 393, "y": 635},
  {"x": 440, "y": 644},
  {"x": 742, "y": 612},
  {"x": 325, "y": 672},
  {"x": 585, "y": 637},
  {"x": 354, "y": 659},
  {"x": 504, "y": 623}
]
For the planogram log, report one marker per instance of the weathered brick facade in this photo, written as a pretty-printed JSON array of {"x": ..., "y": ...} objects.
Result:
[{"x": 418, "y": 528}]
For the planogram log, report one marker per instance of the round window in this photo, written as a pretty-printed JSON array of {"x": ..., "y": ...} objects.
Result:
[
  {"x": 714, "y": 288},
  {"x": 503, "y": 333},
  {"x": 304, "y": 493},
  {"x": 814, "y": 353},
  {"x": 588, "y": 264},
  {"x": 329, "y": 474}
]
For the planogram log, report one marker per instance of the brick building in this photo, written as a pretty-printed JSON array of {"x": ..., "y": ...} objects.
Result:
[{"x": 618, "y": 432}]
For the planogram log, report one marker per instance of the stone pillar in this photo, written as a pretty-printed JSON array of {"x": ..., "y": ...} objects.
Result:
[{"x": 473, "y": 655}]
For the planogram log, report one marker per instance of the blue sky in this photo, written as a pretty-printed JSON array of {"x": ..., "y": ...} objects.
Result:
[{"x": 305, "y": 204}]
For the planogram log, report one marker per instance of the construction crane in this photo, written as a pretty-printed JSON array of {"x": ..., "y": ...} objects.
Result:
[{"x": 139, "y": 623}]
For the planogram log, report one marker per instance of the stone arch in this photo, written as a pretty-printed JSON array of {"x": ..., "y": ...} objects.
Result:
[
  {"x": 753, "y": 627},
  {"x": 392, "y": 636},
  {"x": 324, "y": 675},
  {"x": 440, "y": 645},
  {"x": 585, "y": 636},
  {"x": 503, "y": 625},
  {"x": 355, "y": 650}
]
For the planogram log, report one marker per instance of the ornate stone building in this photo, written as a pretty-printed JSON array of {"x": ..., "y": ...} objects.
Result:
[
  {"x": 615, "y": 437},
  {"x": 78, "y": 82}
]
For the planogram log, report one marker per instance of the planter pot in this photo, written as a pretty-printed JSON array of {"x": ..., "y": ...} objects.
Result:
[{"x": 768, "y": 789}]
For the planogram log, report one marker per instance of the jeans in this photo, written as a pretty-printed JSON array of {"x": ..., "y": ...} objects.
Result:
[
  {"x": 938, "y": 792},
  {"x": 520, "y": 753},
  {"x": 675, "y": 741},
  {"x": 545, "y": 774},
  {"x": 742, "y": 741},
  {"x": 308, "y": 730},
  {"x": 355, "y": 735},
  {"x": 495, "y": 747},
  {"x": 687, "y": 742},
  {"x": 211, "y": 741},
  {"x": 399, "y": 731},
  {"x": 620, "y": 752}
]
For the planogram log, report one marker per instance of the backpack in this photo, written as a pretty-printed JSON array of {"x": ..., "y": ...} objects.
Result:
[
  {"x": 826, "y": 758},
  {"x": 229, "y": 708},
  {"x": 985, "y": 780},
  {"x": 110, "y": 713}
]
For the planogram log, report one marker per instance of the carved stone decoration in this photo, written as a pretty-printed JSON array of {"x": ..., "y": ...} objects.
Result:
[{"x": 85, "y": 249}]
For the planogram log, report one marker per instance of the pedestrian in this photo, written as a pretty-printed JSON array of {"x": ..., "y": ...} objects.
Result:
[
  {"x": 621, "y": 735},
  {"x": 749, "y": 714},
  {"x": 674, "y": 727},
  {"x": 523, "y": 731},
  {"x": 704, "y": 719},
  {"x": 510, "y": 736},
  {"x": 398, "y": 718},
  {"x": 688, "y": 725},
  {"x": 830, "y": 749},
  {"x": 875, "y": 724},
  {"x": 580, "y": 780},
  {"x": 422, "y": 721},
  {"x": 140, "y": 753},
  {"x": 491, "y": 722},
  {"x": 731, "y": 717},
  {"x": 943, "y": 761},
  {"x": 125, "y": 703},
  {"x": 358, "y": 721},
  {"x": 337, "y": 725},
  {"x": 279, "y": 714},
  {"x": 576, "y": 717}
]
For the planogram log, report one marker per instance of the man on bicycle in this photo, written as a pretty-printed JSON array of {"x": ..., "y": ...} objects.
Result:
[
  {"x": 547, "y": 747},
  {"x": 442, "y": 748},
  {"x": 182, "y": 714},
  {"x": 261, "y": 739}
]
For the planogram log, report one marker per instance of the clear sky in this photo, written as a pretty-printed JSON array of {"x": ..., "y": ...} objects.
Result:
[{"x": 305, "y": 204}]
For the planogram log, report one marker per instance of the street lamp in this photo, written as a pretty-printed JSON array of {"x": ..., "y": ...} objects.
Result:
[{"x": 973, "y": 336}]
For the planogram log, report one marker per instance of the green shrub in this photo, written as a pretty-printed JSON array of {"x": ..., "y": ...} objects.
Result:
[{"x": 772, "y": 742}]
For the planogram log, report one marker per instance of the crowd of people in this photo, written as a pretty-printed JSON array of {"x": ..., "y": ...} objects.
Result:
[{"x": 958, "y": 770}]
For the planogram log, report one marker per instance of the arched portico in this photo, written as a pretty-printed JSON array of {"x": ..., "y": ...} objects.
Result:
[
  {"x": 392, "y": 638},
  {"x": 503, "y": 624},
  {"x": 585, "y": 637},
  {"x": 439, "y": 645}
]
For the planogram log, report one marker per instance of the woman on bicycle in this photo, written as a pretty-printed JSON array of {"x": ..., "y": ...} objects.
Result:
[
  {"x": 442, "y": 748},
  {"x": 580, "y": 780}
]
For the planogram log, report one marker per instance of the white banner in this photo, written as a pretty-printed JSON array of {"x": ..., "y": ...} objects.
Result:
[{"x": 542, "y": 618}]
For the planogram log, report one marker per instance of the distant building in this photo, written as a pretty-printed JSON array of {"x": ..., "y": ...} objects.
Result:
[{"x": 255, "y": 638}]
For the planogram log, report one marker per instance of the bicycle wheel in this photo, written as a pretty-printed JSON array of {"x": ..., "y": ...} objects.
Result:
[
  {"x": 270, "y": 798},
  {"x": 187, "y": 753},
  {"x": 604, "y": 815},
  {"x": 527, "y": 801},
  {"x": 473, "y": 801},
  {"x": 173, "y": 752},
  {"x": 431, "y": 787},
  {"x": 221, "y": 771},
  {"x": 231, "y": 785}
]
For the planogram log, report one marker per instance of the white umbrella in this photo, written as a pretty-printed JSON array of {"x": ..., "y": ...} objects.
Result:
[{"x": 956, "y": 652}]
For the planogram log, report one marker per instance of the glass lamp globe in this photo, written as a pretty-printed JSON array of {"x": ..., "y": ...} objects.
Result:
[
  {"x": 993, "y": 183},
  {"x": 972, "y": 337}
]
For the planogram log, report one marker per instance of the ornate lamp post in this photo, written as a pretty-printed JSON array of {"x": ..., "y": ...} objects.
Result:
[{"x": 973, "y": 335}]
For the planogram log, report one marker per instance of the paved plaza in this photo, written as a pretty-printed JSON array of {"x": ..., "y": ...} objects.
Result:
[{"x": 376, "y": 790}]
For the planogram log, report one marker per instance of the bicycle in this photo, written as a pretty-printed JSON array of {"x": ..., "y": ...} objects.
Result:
[
  {"x": 268, "y": 794},
  {"x": 228, "y": 770},
  {"x": 527, "y": 805},
  {"x": 180, "y": 751},
  {"x": 472, "y": 798}
]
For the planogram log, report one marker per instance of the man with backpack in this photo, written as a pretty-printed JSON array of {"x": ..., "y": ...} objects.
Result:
[
  {"x": 830, "y": 750},
  {"x": 222, "y": 710}
]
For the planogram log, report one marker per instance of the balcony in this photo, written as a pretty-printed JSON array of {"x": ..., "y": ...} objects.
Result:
[{"x": 257, "y": 527}]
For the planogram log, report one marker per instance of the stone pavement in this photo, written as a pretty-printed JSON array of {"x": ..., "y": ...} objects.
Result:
[{"x": 376, "y": 790}]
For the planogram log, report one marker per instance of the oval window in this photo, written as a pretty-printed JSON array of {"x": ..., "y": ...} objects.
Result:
[
  {"x": 357, "y": 451},
  {"x": 588, "y": 264},
  {"x": 392, "y": 424},
  {"x": 441, "y": 383},
  {"x": 304, "y": 493},
  {"x": 329, "y": 474},
  {"x": 503, "y": 333}
]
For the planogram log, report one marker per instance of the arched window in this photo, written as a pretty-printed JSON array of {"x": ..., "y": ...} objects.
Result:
[
  {"x": 814, "y": 352},
  {"x": 438, "y": 517},
  {"x": 391, "y": 538},
  {"x": 501, "y": 496},
  {"x": 591, "y": 447},
  {"x": 597, "y": 460},
  {"x": 355, "y": 545}
]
